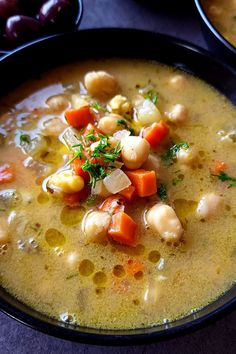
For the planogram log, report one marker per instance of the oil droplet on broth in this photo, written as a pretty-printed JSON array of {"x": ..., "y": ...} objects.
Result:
[
  {"x": 42, "y": 198},
  {"x": 99, "y": 278},
  {"x": 72, "y": 216},
  {"x": 119, "y": 271},
  {"x": 86, "y": 267},
  {"x": 154, "y": 256},
  {"x": 54, "y": 238}
]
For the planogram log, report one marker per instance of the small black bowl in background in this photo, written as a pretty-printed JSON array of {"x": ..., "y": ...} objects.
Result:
[
  {"x": 216, "y": 42},
  {"x": 25, "y": 24}
]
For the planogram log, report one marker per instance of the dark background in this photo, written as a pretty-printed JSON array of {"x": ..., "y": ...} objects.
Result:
[{"x": 177, "y": 18}]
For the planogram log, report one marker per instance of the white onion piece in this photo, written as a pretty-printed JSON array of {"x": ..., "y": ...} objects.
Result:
[
  {"x": 121, "y": 134},
  {"x": 147, "y": 113},
  {"x": 116, "y": 181},
  {"x": 69, "y": 138},
  {"x": 100, "y": 189},
  {"x": 145, "y": 89},
  {"x": 78, "y": 101}
]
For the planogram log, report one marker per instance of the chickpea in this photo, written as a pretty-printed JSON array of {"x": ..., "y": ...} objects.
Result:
[
  {"x": 148, "y": 113},
  {"x": 100, "y": 84},
  {"x": 135, "y": 151},
  {"x": 178, "y": 82},
  {"x": 53, "y": 127},
  {"x": 4, "y": 232},
  {"x": 209, "y": 206},
  {"x": 108, "y": 124},
  {"x": 66, "y": 182},
  {"x": 120, "y": 105},
  {"x": 163, "y": 219},
  {"x": 95, "y": 225},
  {"x": 58, "y": 103},
  {"x": 187, "y": 156},
  {"x": 178, "y": 114}
]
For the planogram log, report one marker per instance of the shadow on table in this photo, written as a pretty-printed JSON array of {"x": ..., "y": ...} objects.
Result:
[{"x": 174, "y": 7}]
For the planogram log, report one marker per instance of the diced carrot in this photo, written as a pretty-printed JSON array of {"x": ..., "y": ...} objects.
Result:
[
  {"x": 134, "y": 266},
  {"x": 113, "y": 204},
  {"x": 219, "y": 166},
  {"x": 156, "y": 133},
  {"x": 123, "y": 229},
  {"x": 76, "y": 165},
  {"x": 145, "y": 182},
  {"x": 74, "y": 199},
  {"x": 79, "y": 117},
  {"x": 128, "y": 193},
  {"x": 6, "y": 174}
]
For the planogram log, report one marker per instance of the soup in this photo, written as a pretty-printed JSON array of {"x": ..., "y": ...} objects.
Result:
[
  {"x": 117, "y": 194},
  {"x": 223, "y": 16}
]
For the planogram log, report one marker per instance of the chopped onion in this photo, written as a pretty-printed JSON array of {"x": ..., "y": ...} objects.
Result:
[
  {"x": 69, "y": 138},
  {"x": 116, "y": 181},
  {"x": 147, "y": 113},
  {"x": 100, "y": 189},
  {"x": 78, "y": 101},
  {"x": 145, "y": 89},
  {"x": 121, "y": 134}
]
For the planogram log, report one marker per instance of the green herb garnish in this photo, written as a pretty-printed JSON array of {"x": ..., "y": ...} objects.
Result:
[
  {"x": 24, "y": 138},
  {"x": 96, "y": 172},
  {"x": 72, "y": 276},
  {"x": 78, "y": 154},
  {"x": 151, "y": 95},
  {"x": 124, "y": 123},
  {"x": 91, "y": 136},
  {"x": 98, "y": 107},
  {"x": 224, "y": 177},
  {"x": 171, "y": 154},
  {"x": 162, "y": 192}
]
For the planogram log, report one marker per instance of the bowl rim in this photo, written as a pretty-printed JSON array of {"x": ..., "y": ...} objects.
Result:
[
  {"x": 212, "y": 28},
  {"x": 118, "y": 337}
]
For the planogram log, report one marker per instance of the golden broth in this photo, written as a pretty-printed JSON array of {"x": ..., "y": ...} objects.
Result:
[
  {"x": 48, "y": 265},
  {"x": 223, "y": 16}
]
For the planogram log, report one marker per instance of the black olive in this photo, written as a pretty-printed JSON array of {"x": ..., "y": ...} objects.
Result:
[
  {"x": 20, "y": 29},
  {"x": 58, "y": 14},
  {"x": 8, "y": 8}
]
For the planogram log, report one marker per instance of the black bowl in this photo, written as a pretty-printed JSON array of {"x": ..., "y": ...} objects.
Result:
[
  {"x": 29, "y": 62},
  {"x": 216, "y": 42}
]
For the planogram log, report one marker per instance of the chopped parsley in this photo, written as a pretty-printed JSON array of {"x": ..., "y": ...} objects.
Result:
[
  {"x": 224, "y": 177},
  {"x": 98, "y": 107},
  {"x": 78, "y": 154},
  {"x": 162, "y": 192},
  {"x": 171, "y": 154},
  {"x": 91, "y": 136},
  {"x": 151, "y": 95},
  {"x": 96, "y": 172},
  {"x": 72, "y": 276},
  {"x": 24, "y": 139},
  {"x": 124, "y": 123}
]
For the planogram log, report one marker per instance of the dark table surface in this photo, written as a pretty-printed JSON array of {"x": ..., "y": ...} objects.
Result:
[{"x": 220, "y": 337}]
